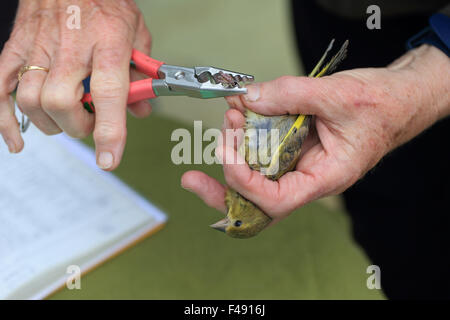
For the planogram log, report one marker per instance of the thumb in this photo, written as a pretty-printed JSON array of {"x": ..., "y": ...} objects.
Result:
[{"x": 286, "y": 95}]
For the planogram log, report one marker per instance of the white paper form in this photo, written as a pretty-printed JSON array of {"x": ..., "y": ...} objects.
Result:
[{"x": 57, "y": 209}]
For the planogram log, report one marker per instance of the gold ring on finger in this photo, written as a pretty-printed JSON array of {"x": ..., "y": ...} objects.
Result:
[{"x": 29, "y": 68}]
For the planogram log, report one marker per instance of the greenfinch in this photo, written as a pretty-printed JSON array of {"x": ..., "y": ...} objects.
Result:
[{"x": 244, "y": 219}]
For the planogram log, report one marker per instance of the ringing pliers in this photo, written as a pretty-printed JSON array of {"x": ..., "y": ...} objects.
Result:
[{"x": 169, "y": 80}]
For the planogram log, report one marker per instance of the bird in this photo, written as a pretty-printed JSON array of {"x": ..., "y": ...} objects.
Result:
[{"x": 276, "y": 155}]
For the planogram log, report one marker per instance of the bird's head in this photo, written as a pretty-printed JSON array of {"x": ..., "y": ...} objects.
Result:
[{"x": 244, "y": 219}]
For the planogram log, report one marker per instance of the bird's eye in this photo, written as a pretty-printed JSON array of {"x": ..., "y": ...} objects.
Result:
[{"x": 238, "y": 223}]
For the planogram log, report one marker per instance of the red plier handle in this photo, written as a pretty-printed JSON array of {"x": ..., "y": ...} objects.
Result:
[{"x": 139, "y": 90}]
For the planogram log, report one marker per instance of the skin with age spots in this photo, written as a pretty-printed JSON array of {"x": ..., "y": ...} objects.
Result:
[
  {"x": 101, "y": 47},
  {"x": 360, "y": 116}
]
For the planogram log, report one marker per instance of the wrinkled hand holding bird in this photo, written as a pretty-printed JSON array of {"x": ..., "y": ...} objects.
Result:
[{"x": 359, "y": 116}]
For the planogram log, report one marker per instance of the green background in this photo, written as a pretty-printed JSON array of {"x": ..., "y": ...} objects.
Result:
[{"x": 309, "y": 255}]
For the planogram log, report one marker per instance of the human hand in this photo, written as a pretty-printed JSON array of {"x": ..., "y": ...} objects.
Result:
[
  {"x": 360, "y": 115},
  {"x": 101, "y": 47}
]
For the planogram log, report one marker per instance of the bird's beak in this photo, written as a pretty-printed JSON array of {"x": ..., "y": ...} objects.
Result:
[{"x": 221, "y": 225}]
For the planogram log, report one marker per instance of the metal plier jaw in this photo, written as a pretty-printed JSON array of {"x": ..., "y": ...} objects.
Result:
[
  {"x": 199, "y": 82},
  {"x": 169, "y": 80}
]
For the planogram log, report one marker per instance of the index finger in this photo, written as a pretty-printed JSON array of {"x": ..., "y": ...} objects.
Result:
[{"x": 109, "y": 88}]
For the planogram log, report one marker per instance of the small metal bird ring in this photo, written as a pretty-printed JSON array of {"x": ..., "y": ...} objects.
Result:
[
  {"x": 29, "y": 68},
  {"x": 24, "y": 124}
]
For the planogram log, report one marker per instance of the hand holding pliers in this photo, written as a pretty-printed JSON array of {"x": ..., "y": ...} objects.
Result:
[{"x": 169, "y": 80}]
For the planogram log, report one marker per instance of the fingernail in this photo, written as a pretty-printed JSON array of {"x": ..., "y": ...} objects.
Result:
[
  {"x": 11, "y": 146},
  {"x": 105, "y": 160},
  {"x": 252, "y": 93},
  {"x": 186, "y": 188}
]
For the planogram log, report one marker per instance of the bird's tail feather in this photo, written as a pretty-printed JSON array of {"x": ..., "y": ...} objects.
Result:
[{"x": 333, "y": 63}]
